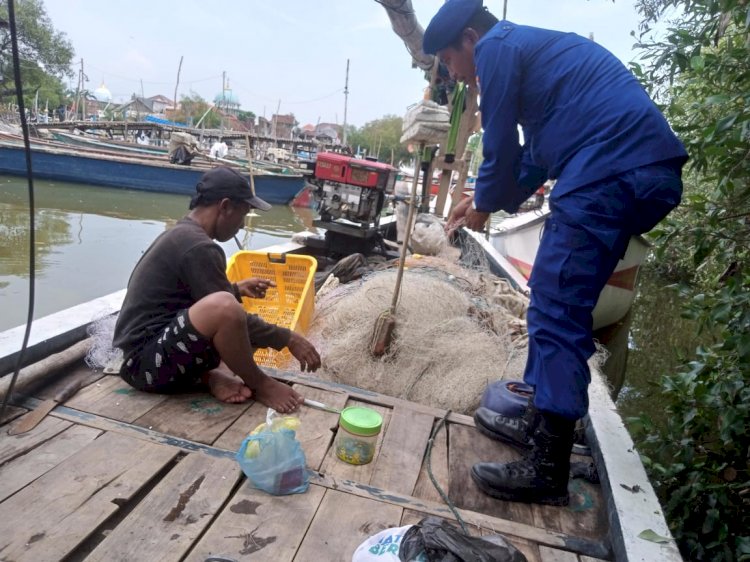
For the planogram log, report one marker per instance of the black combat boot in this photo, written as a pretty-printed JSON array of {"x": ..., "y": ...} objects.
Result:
[
  {"x": 516, "y": 431},
  {"x": 541, "y": 477}
]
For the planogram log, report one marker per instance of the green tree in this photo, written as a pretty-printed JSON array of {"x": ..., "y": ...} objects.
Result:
[
  {"x": 699, "y": 460},
  {"x": 193, "y": 107},
  {"x": 45, "y": 54},
  {"x": 381, "y": 138},
  {"x": 247, "y": 117}
]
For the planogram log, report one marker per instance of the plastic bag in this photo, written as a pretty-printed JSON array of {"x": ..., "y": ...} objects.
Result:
[
  {"x": 381, "y": 547},
  {"x": 428, "y": 237},
  {"x": 272, "y": 458},
  {"x": 435, "y": 540}
]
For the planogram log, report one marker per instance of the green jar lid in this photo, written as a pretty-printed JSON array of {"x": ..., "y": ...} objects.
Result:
[{"x": 361, "y": 421}]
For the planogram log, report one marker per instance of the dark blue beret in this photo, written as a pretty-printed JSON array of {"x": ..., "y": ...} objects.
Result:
[{"x": 448, "y": 23}]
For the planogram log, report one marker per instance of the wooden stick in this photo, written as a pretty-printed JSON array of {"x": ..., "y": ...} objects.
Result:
[{"x": 50, "y": 364}]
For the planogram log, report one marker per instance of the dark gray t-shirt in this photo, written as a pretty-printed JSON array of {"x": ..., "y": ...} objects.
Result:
[{"x": 181, "y": 266}]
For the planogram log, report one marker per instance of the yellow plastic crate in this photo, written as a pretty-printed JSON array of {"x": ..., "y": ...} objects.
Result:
[{"x": 290, "y": 304}]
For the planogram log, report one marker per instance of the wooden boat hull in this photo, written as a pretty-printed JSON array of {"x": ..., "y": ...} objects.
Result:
[
  {"x": 517, "y": 239},
  {"x": 129, "y": 173},
  {"x": 201, "y": 508}
]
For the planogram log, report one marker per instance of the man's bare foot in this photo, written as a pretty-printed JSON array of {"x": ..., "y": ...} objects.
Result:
[
  {"x": 277, "y": 395},
  {"x": 227, "y": 387}
]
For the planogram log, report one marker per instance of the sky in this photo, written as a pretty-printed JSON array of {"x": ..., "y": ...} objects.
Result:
[{"x": 289, "y": 55}]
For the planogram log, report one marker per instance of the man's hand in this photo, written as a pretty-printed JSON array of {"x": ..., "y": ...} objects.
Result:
[
  {"x": 304, "y": 352},
  {"x": 457, "y": 217},
  {"x": 464, "y": 215},
  {"x": 255, "y": 287},
  {"x": 476, "y": 220}
]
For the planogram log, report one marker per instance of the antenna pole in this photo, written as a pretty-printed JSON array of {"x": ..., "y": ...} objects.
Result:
[{"x": 346, "y": 100}]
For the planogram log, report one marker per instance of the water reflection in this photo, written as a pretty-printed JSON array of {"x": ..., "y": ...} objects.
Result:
[
  {"x": 52, "y": 229},
  {"x": 88, "y": 239},
  {"x": 659, "y": 342}
]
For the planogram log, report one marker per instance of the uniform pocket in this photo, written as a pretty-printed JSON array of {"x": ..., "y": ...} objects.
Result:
[{"x": 569, "y": 265}]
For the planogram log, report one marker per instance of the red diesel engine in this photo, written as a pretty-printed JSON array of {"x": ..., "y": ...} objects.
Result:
[{"x": 350, "y": 188}]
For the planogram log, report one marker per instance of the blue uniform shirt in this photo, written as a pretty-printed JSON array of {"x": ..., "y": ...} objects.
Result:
[{"x": 584, "y": 115}]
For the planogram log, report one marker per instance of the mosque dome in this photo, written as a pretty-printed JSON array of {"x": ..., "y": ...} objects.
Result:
[
  {"x": 103, "y": 94},
  {"x": 227, "y": 97}
]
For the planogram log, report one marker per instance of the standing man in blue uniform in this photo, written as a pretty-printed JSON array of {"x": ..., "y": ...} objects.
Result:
[{"x": 589, "y": 124}]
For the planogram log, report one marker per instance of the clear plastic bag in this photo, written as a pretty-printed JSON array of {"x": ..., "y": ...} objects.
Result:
[{"x": 273, "y": 459}]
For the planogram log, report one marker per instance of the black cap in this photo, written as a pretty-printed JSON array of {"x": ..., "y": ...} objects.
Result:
[
  {"x": 224, "y": 182},
  {"x": 448, "y": 23}
]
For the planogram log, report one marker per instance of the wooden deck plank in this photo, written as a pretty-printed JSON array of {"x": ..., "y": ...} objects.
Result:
[
  {"x": 315, "y": 433},
  {"x": 337, "y": 468},
  {"x": 400, "y": 460},
  {"x": 589, "y": 559},
  {"x": 174, "y": 514},
  {"x": 424, "y": 488},
  {"x": 11, "y": 413},
  {"x": 317, "y": 428},
  {"x": 196, "y": 416},
  {"x": 529, "y": 549},
  {"x": 369, "y": 396},
  {"x": 553, "y": 555},
  {"x": 251, "y": 418},
  {"x": 112, "y": 397},
  {"x": 27, "y": 468},
  {"x": 12, "y": 446},
  {"x": 411, "y": 517},
  {"x": 468, "y": 447},
  {"x": 585, "y": 515},
  {"x": 597, "y": 548},
  {"x": 342, "y": 523},
  {"x": 97, "y": 480},
  {"x": 256, "y": 526}
]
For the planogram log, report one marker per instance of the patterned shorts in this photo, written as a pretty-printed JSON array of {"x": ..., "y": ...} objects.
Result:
[{"x": 173, "y": 362}]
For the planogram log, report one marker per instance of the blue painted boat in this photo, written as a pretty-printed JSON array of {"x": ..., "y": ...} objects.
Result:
[{"x": 130, "y": 172}]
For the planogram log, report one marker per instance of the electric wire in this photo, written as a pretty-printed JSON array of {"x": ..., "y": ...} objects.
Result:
[
  {"x": 32, "y": 226},
  {"x": 434, "y": 481}
]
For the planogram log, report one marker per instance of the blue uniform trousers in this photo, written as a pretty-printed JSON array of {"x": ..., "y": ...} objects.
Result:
[{"x": 587, "y": 232}]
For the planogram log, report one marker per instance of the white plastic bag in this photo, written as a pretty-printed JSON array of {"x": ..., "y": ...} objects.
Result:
[{"x": 382, "y": 547}]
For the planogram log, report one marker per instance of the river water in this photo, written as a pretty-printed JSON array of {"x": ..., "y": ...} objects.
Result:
[{"x": 89, "y": 238}]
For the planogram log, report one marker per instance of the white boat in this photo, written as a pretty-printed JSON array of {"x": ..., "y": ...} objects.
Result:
[{"x": 517, "y": 238}]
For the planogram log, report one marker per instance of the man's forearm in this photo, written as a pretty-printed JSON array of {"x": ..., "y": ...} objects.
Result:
[{"x": 264, "y": 334}]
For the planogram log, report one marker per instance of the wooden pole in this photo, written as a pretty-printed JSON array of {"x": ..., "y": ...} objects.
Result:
[
  {"x": 176, "y": 85},
  {"x": 250, "y": 164}
]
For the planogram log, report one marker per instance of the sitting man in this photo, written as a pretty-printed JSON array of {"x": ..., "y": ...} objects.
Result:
[{"x": 182, "y": 322}]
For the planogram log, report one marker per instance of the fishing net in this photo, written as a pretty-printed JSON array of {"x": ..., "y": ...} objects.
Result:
[
  {"x": 457, "y": 329},
  {"x": 101, "y": 354}
]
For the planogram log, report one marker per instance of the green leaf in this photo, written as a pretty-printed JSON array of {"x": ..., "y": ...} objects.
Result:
[
  {"x": 726, "y": 122},
  {"x": 717, "y": 99},
  {"x": 652, "y": 536}
]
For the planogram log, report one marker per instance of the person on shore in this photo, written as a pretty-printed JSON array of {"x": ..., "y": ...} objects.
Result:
[
  {"x": 182, "y": 321},
  {"x": 588, "y": 124}
]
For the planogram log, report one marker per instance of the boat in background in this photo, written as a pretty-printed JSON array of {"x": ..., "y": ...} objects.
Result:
[
  {"x": 143, "y": 172},
  {"x": 97, "y": 143},
  {"x": 517, "y": 238}
]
